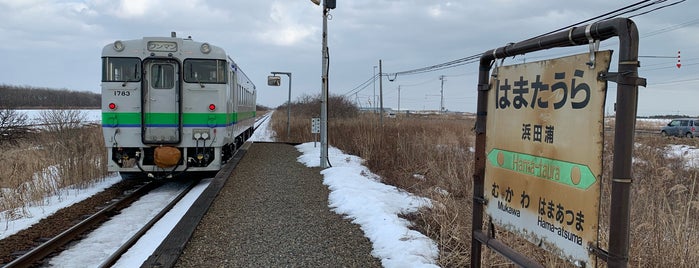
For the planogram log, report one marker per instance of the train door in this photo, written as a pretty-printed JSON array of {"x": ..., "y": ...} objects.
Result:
[{"x": 161, "y": 122}]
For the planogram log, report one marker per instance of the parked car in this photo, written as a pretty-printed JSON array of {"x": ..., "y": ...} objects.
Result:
[{"x": 681, "y": 127}]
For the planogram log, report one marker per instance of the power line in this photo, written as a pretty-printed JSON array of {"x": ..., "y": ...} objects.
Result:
[
  {"x": 668, "y": 67},
  {"x": 476, "y": 57},
  {"x": 674, "y": 82},
  {"x": 597, "y": 17},
  {"x": 419, "y": 83},
  {"x": 436, "y": 67},
  {"x": 657, "y": 8},
  {"x": 614, "y": 41},
  {"x": 671, "y": 28},
  {"x": 361, "y": 86}
]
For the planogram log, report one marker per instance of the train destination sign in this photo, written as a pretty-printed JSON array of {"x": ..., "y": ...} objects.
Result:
[{"x": 544, "y": 144}]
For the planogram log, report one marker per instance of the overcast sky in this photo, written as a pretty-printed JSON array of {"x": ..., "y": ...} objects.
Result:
[{"x": 57, "y": 43}]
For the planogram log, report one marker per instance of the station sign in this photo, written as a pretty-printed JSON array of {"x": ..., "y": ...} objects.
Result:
[
  {"x": 315, "y": 125},
  {"x": 545, "y": 128}
]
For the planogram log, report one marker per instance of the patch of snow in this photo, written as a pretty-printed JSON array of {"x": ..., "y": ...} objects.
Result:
[{"x": 358, "y": 193}]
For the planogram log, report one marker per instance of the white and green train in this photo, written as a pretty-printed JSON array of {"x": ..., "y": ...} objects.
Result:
[{"x": 172, "y": 105}]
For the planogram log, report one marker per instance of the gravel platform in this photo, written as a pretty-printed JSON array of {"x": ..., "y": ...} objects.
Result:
[{"x": 273, "y": 212}]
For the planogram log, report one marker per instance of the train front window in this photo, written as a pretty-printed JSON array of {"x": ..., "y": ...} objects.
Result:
[
  {"x": 121, "y": 69},
  {"x": 205, "y": 71},
  {"x": 162, "y": 76}
]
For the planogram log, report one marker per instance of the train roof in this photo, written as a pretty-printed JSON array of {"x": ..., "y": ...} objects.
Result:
[{"x": 164, "y": 47}]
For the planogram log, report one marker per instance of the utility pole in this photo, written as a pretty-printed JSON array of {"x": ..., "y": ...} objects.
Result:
[
  {"x": 381, "y": 91},
  {"x": 441, "y": 93},
  {"x": 399, "y": 98},
  {"x": 374, "y": 96},
  {"x": 324, "y": 162}
]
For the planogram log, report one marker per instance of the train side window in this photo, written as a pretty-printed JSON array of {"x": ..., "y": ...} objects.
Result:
[{"x": 121, "y": 69}]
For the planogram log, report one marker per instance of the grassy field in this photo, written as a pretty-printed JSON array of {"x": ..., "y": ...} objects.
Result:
[
  {"x": 432, "y": 156},
  {"x": 46, "y": 162}
]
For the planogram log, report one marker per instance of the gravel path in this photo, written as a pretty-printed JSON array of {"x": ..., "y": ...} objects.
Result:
[{"x": 273, "y": 212}]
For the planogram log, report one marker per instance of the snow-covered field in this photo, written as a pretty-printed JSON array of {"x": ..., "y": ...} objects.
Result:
[{"x": 91, "y": 115}]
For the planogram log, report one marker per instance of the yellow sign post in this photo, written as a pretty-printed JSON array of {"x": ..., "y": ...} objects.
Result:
[{"x": 545, "y": 130}]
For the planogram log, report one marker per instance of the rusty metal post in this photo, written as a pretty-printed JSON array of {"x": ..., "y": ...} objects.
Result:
[
  {"x": 626, "y": 101},
  {"x": 479, "y": 159}
]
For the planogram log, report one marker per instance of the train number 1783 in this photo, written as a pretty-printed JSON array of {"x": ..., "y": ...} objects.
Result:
[{"x": 124, "y": 93}]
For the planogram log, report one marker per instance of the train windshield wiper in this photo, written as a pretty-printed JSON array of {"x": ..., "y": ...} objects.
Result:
[{"x": 200, "y": 83}]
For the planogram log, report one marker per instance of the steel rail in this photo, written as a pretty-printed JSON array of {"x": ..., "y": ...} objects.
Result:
[
  {"x": 261, "y": 120},
  {"x": 112, "y": 259},
  {"x": 39, "y": 253}
]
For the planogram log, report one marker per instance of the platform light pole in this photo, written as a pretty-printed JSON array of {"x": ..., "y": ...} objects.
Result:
[
  {"x": 327, "y": 5},
  {"x": 288, "y": 103}
]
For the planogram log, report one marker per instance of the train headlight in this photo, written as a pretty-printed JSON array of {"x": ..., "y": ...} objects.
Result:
[
  {"x": 112, "y": 106},
  {"x": 212, "y": 107},
  {"x": 205, "y": 48},
  {"x": 118, "y": 46}
]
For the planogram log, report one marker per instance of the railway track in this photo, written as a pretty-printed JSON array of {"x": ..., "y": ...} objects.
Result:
[
  {"x": 262, "y": 119},
  {"x": 56, "y": 244},
  {"x": 41, "y": 254}
]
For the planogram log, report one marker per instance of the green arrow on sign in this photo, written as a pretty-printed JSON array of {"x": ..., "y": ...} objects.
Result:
[{"x": 567, "y": 173}]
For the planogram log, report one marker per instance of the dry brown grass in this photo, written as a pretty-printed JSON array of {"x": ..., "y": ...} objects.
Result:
[
  {"x": 665, "y": 207},
  {"x": 49, "y": 161},
  {"x": 642, "y": 124},
  {"x": 432, "y": 156}
]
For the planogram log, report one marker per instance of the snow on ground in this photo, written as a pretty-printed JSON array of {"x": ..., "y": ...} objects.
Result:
[
  {"x": 264, "y": 132},
  {"x": 152, "y": 239},
  {"x": 689, "y": 154},
  {"x": 67, "y": 197},
  {"x": 101, "y": 243},
  {"x": 357, "y": 193}
]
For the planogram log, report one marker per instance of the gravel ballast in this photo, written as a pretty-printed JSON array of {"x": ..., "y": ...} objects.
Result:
[{"x": 273, "y": 212}]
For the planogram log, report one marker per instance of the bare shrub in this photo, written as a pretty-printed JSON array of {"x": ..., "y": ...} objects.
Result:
[
  {"x": 309, "y": 106},
  {"x": 62, "y": 121},
  {"x": 305, "y": 108},
  {"x": 13, "y": 126}
]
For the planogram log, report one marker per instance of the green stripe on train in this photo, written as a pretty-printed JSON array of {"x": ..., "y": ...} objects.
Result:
[{"x": 111, "y": 118}]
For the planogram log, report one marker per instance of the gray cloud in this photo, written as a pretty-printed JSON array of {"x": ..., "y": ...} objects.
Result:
[{"x": 56, "y": 43}]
